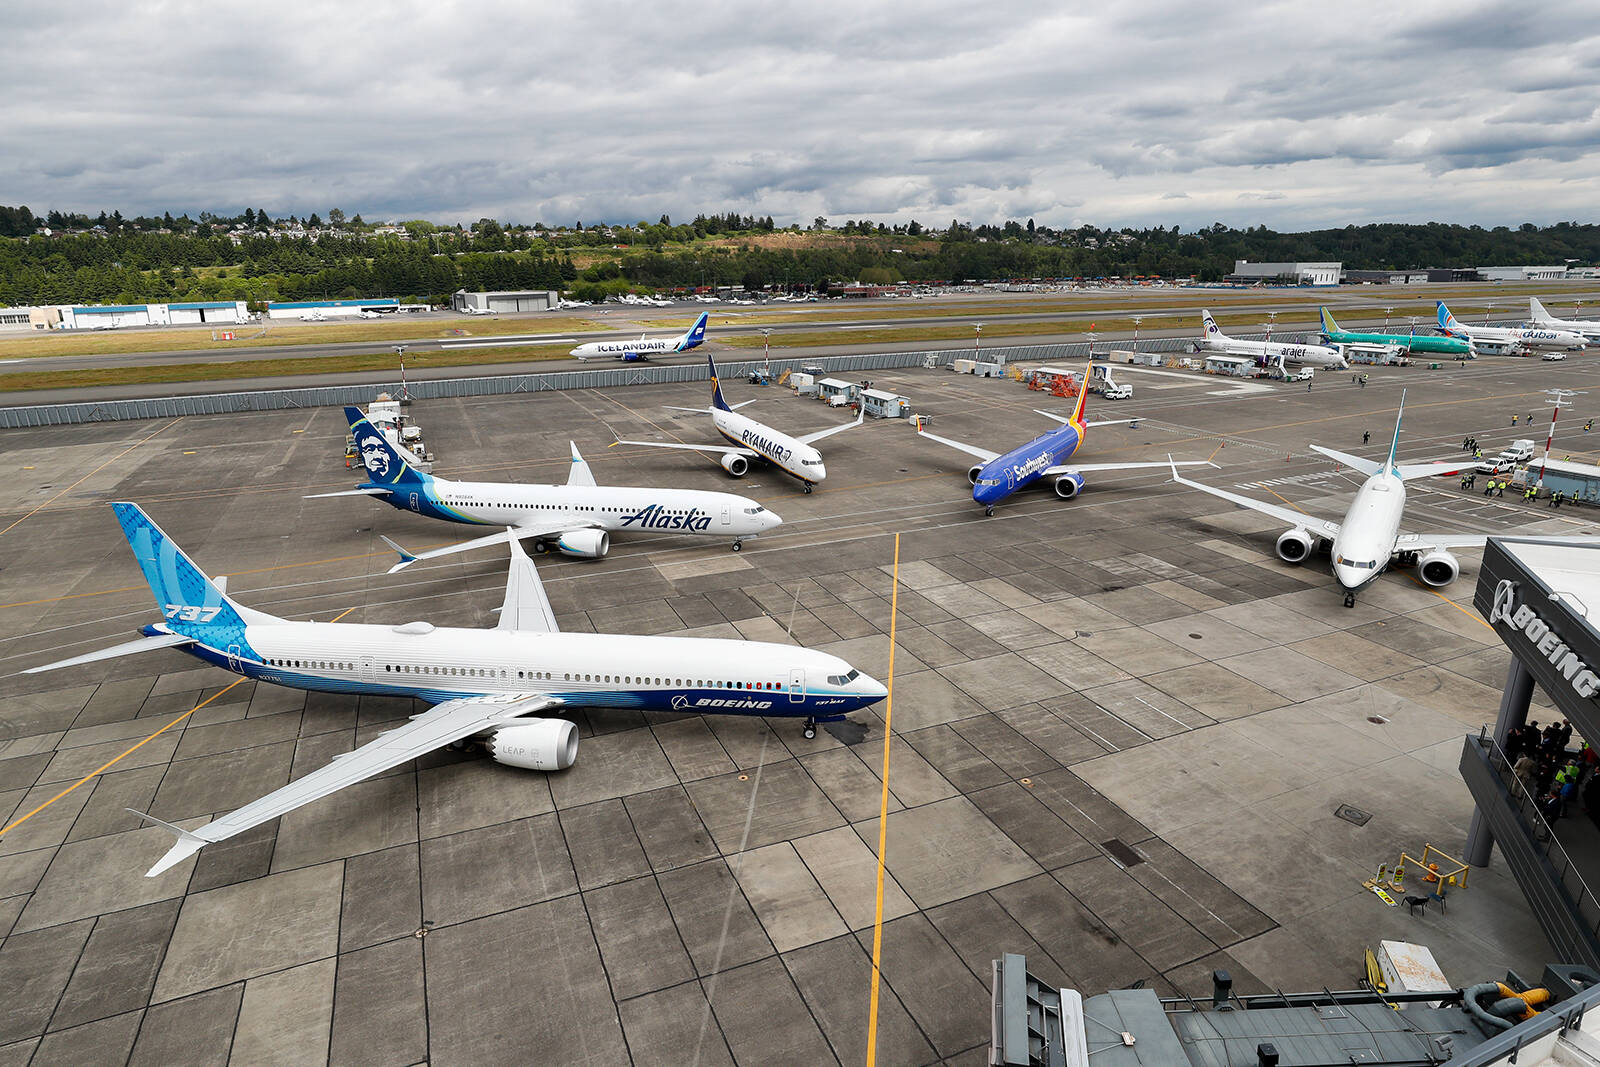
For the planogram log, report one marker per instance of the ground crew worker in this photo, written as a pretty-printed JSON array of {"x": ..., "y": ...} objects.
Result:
[
  {"x": 1588, "y": 426},
  {"x": 1513, "y": 420},
  {"x": 1488, "y": 489},
  {"x": 1309, "y": 385},
  {"x": 1464, "y": 442},
  {"x": 1501, "y": 491},
  {"x": 1366, "y": 435},
  {"x": 1477, "y": 453},
  {"x": 1472, "y": 479}
]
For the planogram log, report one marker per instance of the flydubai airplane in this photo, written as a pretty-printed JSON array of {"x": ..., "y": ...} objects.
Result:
[
  {"x": 749, "y": 439},
  {"x": 1046, "y": 456},
  {"x": 1511, "y": 337},
  {"x": 576, "y": 519},
  {"x": 501, "y": 686},
  {"x": 1369, "y": 538},
  {"x": 645, "y": 347},
  {"x": 1542, "y": 319},
  {"x": 1304, "y": 355}
]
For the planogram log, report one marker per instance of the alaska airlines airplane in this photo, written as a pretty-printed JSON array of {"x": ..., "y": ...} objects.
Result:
[
  {"x": 576, "y": 519},
  {"x": 1546, "y": 321},
  {"x": 1046, "y": 456},
  {"x": 645, "y": 347},
  {"x": 1304, "y": 355},
  {"x": 1369, "y": 538},
  {"x": 1513, "y": 337},
  {"x": 494, "y": 685},
  {"x": 1411, "y": 342},
  {"x": 750, "y": 439}
]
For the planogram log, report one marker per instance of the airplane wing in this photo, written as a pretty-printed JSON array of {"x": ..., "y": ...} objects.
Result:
[
  {"x": 719, "y": 449},
  {"x": 371, "y": 490},
  {"x": 580, "y": 474},
  {"x": 810, "y": 438},
  {"x": 550, "y": 527},
  {"x": 450, "y": 721},
  {"x": 1320, "y": 527},
  {"x": 1080, "y": 467},
  {"x": 971, "y": 450}
]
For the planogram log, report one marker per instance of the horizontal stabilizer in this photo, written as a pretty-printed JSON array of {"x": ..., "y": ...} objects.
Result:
[
  {"x": 1365, "y": 466},
  {"x": 127, "y": 648},
  {"x": 371, "y": 490}
]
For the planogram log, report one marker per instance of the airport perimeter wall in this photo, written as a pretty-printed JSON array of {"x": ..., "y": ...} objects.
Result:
[{"x": 541, "y": 381}]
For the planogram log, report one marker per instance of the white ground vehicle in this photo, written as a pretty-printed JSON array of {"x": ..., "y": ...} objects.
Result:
[{"x": 1519, "y": 451}]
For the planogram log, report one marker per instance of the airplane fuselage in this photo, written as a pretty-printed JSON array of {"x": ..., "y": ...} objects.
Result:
[
  {"x": 1365, "y": 542},
  {"x": 608, "y": 507},
  {"x": 1301, "y": 355},
  {"x": 435, "y": 664},
  {"x": 792, "y": 456},
  {"x": 1426, "y": 343},
  {"x": 1023, "y": 466},
  {"x": 1530, "y": 338}
]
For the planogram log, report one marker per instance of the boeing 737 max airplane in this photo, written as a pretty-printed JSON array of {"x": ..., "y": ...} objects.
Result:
[
  {"x": 1304, "y": 355},
  {"x": 1543, "y": 320},
  {"x": 645, "y": 347},
  {"x": 1369, "y": 538},
  {"x": 576, "y": 519},
  {"x": 1046, "y": 456},
  {"x": 749, "y": 439},
  {"x": 495, "y": 685},
  {"x": 1512, "y": 337}
]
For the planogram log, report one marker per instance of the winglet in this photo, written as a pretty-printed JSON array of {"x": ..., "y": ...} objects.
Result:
[
  {"x": 187, "y": 845},
  {"x": 580, "y": 473},
  {"x": 406, "y": 558},
  {"x": 1175, "y": 476}
]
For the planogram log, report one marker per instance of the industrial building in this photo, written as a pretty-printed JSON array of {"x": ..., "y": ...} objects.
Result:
[
  {"x": 506, "y": 301},
  {"x": 114, "y": 316},
  {"x": 1385, "y": 277},
  {"x": 1523, "y": 274},
  {"x": 330, "y": 309},
  {"x": 1248, "y": 273}
]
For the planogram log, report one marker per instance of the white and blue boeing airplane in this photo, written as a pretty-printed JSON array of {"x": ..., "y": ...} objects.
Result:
[
  {"x": 576, "y": 519},
  {"x": 645, "y": 347},
  {"x": 1510, "y": 338},
  {"x": 1046, "y": 456},
  {"x": 749, "y": 439},
  {"x": 497, "y": 686}
]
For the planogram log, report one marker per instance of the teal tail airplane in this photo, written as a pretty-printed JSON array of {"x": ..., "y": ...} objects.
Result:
[{"x": 1414, "y": 343}]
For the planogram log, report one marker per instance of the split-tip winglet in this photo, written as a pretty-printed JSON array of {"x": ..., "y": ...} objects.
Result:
[
  {"x": 406, "y": 558},
  {"x": 186, "y": 845}
]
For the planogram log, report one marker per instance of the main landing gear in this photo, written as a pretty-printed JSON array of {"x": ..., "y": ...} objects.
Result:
[
  {"x": 1349, "y": 600},
  {"x": 809, "y": 729}
]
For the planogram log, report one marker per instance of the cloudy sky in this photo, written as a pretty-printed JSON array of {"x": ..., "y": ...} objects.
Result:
[{"x": 1138, "y": 112}]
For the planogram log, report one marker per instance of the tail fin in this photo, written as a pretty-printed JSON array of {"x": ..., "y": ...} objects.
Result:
[
  {"x": 1329, "y": 327},
  {"x": 1210, "y": 324},
  {"x": 1083, "y": 398},
  {"x": 1446, "y": 320},
  {"x": 716, "y": 386},
  {"x": 1394, "y": 445},
  {"x": 193, "y": 604},
  {"x": 386, "y": 464},
  {"x": 1536, "y": 310},
  {"x": 696, "y": 334}
]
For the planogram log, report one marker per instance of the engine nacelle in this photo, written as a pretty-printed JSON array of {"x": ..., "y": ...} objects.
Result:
[
  {"x": 1069, "y": 485},
  {"x": 973, "y": 472},
  {"x": 536, "y": 745},
  {"x": 585, "y": 544},
  {"x": 1295, "y": 545},
  {"x": 735, "y": 464},
  {"x": 1438, "y": 567}
]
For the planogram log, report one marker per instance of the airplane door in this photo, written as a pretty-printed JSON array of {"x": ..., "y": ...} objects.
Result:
[
  {"x": 797, "y": 685},
  {"x": 727, "y": 515},
  {"x": 367, "y": 669},
  {"x": 416, "y": 504}
]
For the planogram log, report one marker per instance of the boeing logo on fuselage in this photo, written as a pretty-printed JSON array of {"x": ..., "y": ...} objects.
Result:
[{"x": 655, "y": 517}]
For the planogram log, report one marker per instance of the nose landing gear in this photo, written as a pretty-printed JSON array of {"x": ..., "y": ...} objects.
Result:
[
  {"x": 808, "y": 487},
  {"x": 809, "y": 729},
  {"x": 988, "y": 511},
  {"x": 738, "y": 546},
  {"x": 1349, "y": 600}
]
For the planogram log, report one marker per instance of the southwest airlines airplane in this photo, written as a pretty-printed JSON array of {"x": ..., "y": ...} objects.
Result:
[
  {"x": 494, "y": 685},
  {"x": 645, "y": 347},
  {"x": 1305, "y": 355},
  {"x": 1369, "y": 538},
  {"x": 576, "y": 519},
  {"x": 749, "y": 439},
  {"x": 1511, "y": 337},
  {"x": 1046, "y": 456}
]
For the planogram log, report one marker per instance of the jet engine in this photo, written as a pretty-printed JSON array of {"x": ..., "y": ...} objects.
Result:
[
  {"x": 973, "y": 472},
  {"x": 1069, "y": 485},
  {"x": 735, "y": 464},
  {"x": 536, "y": 745},
  {"x": 585, "y": 544},
  {"x": 1438, "y": 567},
  {"x": 1295, "y": 545}
]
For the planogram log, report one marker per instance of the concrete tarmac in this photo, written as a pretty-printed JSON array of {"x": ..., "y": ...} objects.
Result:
[{"x": 1122, "y": 728}]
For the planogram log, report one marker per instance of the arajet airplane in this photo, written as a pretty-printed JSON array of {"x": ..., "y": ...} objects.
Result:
[
  {"x": 493, "y": 685},
  {"x": 1369, "y": 538},
  {"x": 1411, "y": 342},
  {"x": 576, "y": 519},
  {"x": 753, "y": 440},
  {"x": 1046, "y": 456},
  {"x": 645, "y": 347},
  {"x": 1527, "y": 337},
  {"x": 1304, "y": 355},
  {"x": 1546, "y": 321}
]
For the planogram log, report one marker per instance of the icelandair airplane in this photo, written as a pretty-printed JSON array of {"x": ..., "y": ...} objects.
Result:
[
  {"x": 1412, "y": 342},
  {"x": 1304, "y": 355},
  {"x": 753, "y": 440},
  {"x": 1046, "y": 456},
  {"x": 645, "y": 347},
  {"x": 1513, "y": 337},
  {"x": 1546, "y": 321},
  {"x": 1369, "y": 539},
  {"x": 494, "y": 685},
  {"x": 576, "y": 519}
]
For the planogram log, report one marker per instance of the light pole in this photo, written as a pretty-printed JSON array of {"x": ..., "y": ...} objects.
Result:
[
  {"x": 1558, "y": 400},
  {"x": 977, "y": 332},
  {"x": 1386, "y": 313},
  {"x": 1137, "y": 319},
  {"x": 1488, "y": 312},
  {"x": 1272, "y": 318},
  {"x": 400, "y": 354}
]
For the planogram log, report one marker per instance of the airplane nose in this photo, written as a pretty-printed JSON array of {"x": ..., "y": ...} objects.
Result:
[
  {"x": 773, "y": 520},
  {"x": 871, "y": 687},
  {"x": 819, "y": 472}
]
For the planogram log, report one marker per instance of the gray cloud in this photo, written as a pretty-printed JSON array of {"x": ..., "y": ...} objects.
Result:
[{"x": 1288, "y": 115}]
